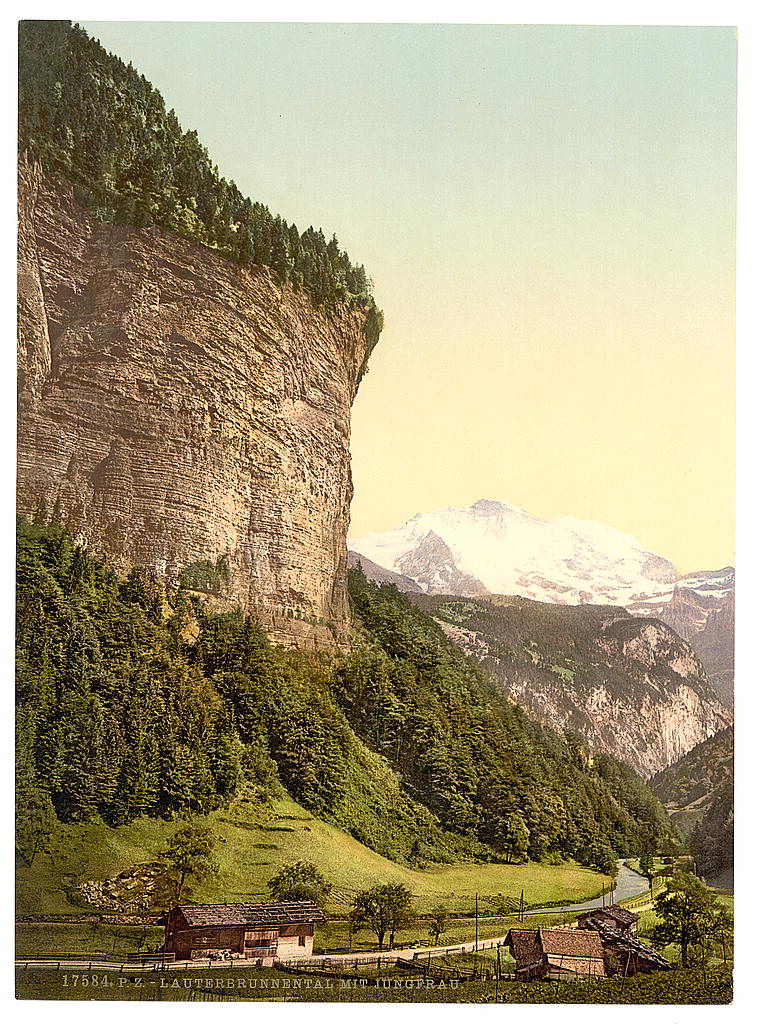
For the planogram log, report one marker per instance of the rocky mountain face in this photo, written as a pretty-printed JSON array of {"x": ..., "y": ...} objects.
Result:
[
  {"x": 498, "y": 548},
  {"x": 432, "y": 561},
  {"x": 629, "y": 686},
  {"x": 700, "y": 607},
  {"x": 698, "y": 792},
  {"x": 185, "y": 413},
  {"x": 375, "y": 572}
]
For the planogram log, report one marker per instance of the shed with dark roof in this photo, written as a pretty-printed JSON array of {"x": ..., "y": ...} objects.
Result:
[
  {"x": 631, "y": 954},
  {"x": 524, "y": 947},
  {"x": 260, "y": 931},
  {"x": 616, "y": 917}
]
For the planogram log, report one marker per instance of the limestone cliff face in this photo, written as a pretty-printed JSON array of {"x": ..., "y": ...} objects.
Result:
[
  {"x": 648, "y": 703},
  {"x": 629, "y": 686},
  {"x": 181, "y": 409}
]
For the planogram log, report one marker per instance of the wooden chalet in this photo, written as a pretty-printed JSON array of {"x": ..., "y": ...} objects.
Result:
[
  {"x": 616, "y": 917},
  {"x": 632, "y": 956},
  {"x": 551, "y": 953},
  {"x": 259, "y": 931}
]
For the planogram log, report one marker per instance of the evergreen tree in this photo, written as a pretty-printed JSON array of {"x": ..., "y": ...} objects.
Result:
[{"x": 86, "y": 115}]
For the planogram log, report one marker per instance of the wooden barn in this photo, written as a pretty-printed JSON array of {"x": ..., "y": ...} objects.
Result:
[
  {"x": 570, "y": 952},
  {"x": 260, "y": 931},
  {"x": 616, "y": 917},
  {"x": 548, "y": 953}
]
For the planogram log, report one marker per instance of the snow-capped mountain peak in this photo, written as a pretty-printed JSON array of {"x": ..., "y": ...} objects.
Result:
[{"x": 496, "y": 547}]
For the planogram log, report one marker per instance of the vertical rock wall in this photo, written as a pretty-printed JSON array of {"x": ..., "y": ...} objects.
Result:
[{"x": 183, "y": 410}]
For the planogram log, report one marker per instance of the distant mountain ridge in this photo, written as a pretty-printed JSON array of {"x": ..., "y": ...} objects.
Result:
[
  {"x": 701, "y": 609},
  {"x": 628, "y": 686},
  {"x": 493, "y": 547}
]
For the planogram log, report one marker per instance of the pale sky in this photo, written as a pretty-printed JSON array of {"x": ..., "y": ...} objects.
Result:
[{"x": 548, "y": 217}]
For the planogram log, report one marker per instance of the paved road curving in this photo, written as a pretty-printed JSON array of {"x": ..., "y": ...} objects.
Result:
[{"x": 628, "y": 883}]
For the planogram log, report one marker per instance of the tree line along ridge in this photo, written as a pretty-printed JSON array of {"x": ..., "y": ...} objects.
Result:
[{"x": 87, "y": 116}]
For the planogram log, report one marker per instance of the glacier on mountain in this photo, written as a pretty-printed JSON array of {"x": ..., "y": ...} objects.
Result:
[{"x": 499, "y": 548}]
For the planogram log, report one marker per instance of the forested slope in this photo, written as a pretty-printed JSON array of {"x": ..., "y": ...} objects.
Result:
[
  {"x": 136, "y": 701},
  {"x": 699, "y": 792}
]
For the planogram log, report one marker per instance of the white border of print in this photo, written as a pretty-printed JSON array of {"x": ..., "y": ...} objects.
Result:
[{"x": 642, "y": 12}]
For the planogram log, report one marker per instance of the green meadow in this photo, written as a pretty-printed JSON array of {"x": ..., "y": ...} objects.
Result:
[{"x": 253, "y": 841}]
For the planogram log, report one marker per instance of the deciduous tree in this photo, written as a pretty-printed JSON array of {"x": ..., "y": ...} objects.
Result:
[
  {"x": 189, "y": 854},
  {"x": 300, "y": 880},
  {"x": 384, "y": 909},
  {"x": 35, "y": 821},
  {"x": 438, "y": 923},
  {"x": 686, "y": 908}
]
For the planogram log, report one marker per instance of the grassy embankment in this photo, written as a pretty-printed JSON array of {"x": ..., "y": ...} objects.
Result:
[{"x": 252, "y": 842}]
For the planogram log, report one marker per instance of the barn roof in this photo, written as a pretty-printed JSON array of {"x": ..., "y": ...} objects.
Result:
[
  {"x": 620, "y": 914},
  {"x": 524, "y": 945},
  {"x": 274, "y": 913},
  {"x": 612, "y": 939},
  {"x": 571, "y": 942}
]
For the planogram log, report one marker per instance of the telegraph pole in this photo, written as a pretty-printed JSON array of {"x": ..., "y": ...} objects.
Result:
[{"x": 476, "y": 922}]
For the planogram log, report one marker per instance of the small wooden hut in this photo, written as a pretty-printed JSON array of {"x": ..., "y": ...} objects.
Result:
[
  {"x": 261, "y": 931},
  {"x": 548, "y": 953}
]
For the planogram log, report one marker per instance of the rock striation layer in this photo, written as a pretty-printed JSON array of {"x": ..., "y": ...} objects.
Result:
[{"x": 186, "y": 413}]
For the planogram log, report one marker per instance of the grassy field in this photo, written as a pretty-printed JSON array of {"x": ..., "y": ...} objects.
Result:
[
  {"x": 659, "y": 864},
  {"x": 84, "y": 940},
  {"x": 252, "y": 842},
  {"x": 334, "y": 937}
]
